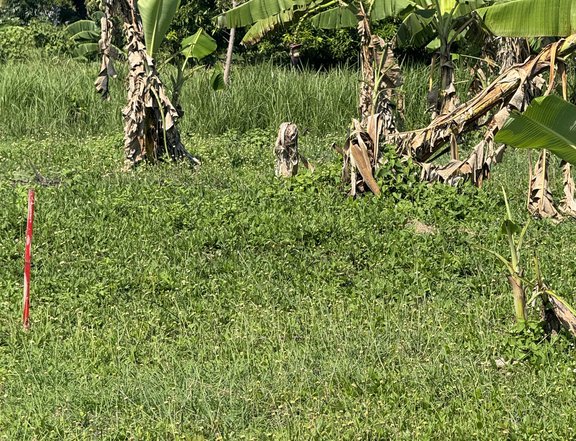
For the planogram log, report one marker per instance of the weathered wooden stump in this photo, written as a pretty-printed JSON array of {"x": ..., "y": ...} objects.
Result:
[{"x": 286, "y": 151}]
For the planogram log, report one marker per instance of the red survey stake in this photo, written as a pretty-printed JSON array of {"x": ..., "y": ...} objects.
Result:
[{"x": 27, "y": 260}]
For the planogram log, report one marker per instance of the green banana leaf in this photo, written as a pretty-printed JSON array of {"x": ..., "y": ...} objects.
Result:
[
  {"x": 156, "y": 18},
  {"x": 198, "y": 45},
  {"x": 382, "y": 9},
  {"x": 86, "y": 50},
  {"x": 336, "y": 18},
  {"x": 419, "y": 28},
  {"x": 81, "y": 26},
  {"x": 466, "y": 7},
  {"x": 531, "y": 18},
  {"x": 217, "y": 80},
  {"x": 255, "y": 33},
  {"x": 87, "y": 35},
  {"x": 548, "y": 123},
  {"x": 416, "y": 30},
  {"x": 254, "y": 10}
]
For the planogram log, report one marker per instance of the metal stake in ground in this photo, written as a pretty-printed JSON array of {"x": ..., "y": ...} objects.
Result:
[{"x": 27, "y": 260}]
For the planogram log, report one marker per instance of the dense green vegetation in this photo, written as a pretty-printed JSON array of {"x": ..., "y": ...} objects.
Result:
[{"x": 222, "y": 303}]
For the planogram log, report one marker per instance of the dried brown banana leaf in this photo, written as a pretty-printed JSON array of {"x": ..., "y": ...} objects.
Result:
[{"x": 540, "y": 201}]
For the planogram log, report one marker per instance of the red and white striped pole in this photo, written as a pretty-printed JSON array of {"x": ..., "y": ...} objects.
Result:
[{"x": 27, "y": 260}]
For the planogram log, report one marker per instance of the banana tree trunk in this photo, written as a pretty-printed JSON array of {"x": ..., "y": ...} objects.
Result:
[
  {"x": 380, "y": 75},
  {"x": 366, "y": 64},
  {"x": 286, "y": 151},
  {"x": 519, "y": 298},
  {"x": 107, "y": 70},
  {"x": 511, "y": 51},
  {"x": 150, "y": 131},
  {"x": 448, "y": 98}
]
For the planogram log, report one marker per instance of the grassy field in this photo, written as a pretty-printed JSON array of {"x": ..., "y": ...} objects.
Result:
[{"x": 221, "y": 303}]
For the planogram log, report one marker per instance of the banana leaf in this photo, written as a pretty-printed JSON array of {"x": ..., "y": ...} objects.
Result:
[
  {"x": 531, "y": 18},
  {"x": 156, "y": 18},
  {"x": 548, "y": 123},
  {"x": 416, "y": 30},
  {"x": 254, "y": 10},
  {"x": 255, "y": 33},
  {"x": 198, "y": 45},
  {"x": 336, "y": 18},
  {"x": 217, "y": 80},
  {"x": 81, "y": 26},
  {"x": 87, "y": 35},
  {"x": 86, "y": 50},
  {"x": 382, "y": 9}
]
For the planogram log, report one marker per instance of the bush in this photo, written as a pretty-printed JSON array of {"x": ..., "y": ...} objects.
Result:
[
  {"x": 21, "y": 42},
  {"x": 320, "y": 47}
]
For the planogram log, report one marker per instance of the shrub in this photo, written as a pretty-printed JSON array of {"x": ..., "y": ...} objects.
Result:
[{"x": 20, "y": 42}]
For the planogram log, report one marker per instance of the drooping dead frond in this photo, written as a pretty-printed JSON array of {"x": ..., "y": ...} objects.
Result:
[
  {"x": 540, "y": 200},
  {"x": 361, "y": 156},
  {"x": 568, "y": 204},
  {"x": 507, "y": 88},
  {"x": 478, "y": 164},
  {"x": 107, "y": 70},
  {"x": 564, "y": 312}
]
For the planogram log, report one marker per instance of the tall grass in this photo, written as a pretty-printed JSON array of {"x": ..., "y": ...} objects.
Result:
[
  {"x": 264, "y": 96},
  {"x": 57, "y": 97}
]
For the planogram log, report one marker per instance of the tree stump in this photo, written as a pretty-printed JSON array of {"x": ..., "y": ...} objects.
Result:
[{"x": 286, "y": 151}]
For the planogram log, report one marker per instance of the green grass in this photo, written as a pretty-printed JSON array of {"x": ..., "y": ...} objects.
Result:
[
  {"x": 223, "y": 303},
  {"x": 57, "y": 97}
]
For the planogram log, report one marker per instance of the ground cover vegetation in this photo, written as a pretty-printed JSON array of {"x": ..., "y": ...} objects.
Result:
[{"x": 220, "y": 302}]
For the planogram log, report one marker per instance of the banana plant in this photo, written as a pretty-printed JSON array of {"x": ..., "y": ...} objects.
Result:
[
  {"x": 438, "y": 24},
  {"x": 515, "y": 236},
  {"x": 514, "y": 88},
  {"x": 85, "y": 35},
  {"x": 556, "y": 311},
  {"x": 195, "y": 47},
  {"x": 150, "y": 130}
]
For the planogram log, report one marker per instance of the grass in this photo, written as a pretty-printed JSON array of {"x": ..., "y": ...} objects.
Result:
[
  {"x": 64, "y": 102},
  {"x": 225, "y": 304}
]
